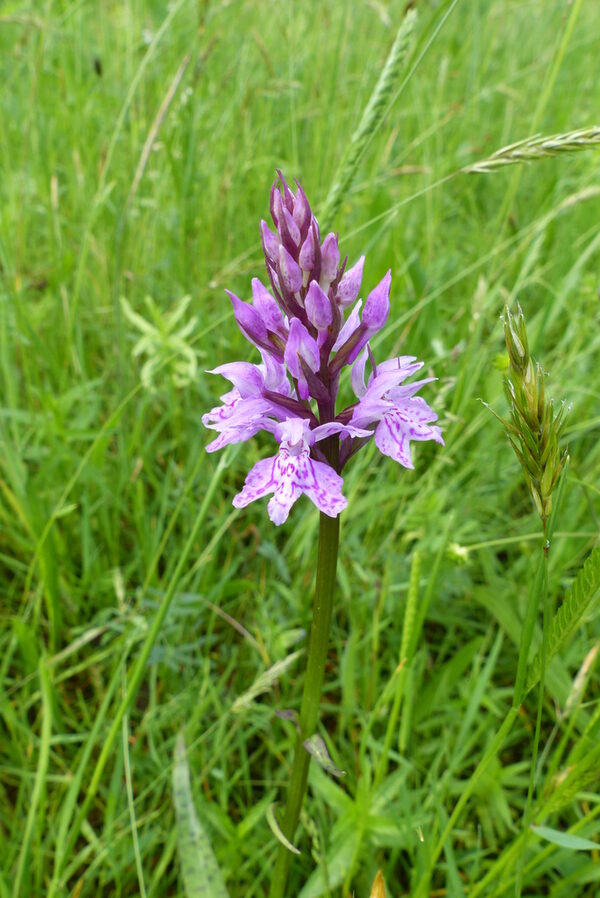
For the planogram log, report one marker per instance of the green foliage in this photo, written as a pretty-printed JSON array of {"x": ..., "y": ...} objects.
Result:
[
  {"x": 137, "y": 148},
  {"x": 164, "y": 346}
]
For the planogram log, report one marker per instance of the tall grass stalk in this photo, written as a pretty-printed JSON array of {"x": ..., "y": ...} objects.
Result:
[{"x": 371, "y": 119}]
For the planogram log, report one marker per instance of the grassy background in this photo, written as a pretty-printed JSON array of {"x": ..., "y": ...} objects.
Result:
[{"x": 102, "y": 480}]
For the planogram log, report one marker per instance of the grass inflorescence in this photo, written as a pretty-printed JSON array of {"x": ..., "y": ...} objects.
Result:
[{"x": 535, "y": 429}]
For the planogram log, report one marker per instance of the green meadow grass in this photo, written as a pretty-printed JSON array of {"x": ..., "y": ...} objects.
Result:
[{"x": 138, "y": 143}]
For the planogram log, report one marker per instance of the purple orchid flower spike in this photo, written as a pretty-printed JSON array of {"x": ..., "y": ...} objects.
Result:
[{"x": 309, "y": 327}]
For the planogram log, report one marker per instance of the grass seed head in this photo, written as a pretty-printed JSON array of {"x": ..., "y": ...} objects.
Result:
[{"x": 534, "y": 429}]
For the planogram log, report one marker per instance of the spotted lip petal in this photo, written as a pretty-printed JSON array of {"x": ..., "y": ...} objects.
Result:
[
  {"x": 287, "y": 476},
  {"x": 391, "y": 440}
]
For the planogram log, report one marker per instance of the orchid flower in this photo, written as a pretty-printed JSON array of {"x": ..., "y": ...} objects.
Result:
[
  {"x": 309, "y": 324},
  {"x": 308, "y": 327}
]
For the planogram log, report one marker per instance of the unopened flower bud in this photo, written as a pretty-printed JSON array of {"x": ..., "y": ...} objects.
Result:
[
  {"x": 318, "y": 307},
  {"x": 349, "y": 286},
  {"x": 330, "y": 259},
  {"x": 267, "y": 308},
  {"x": 302, "y": 213},
  {"x": 270, "y": 243},
  {"x": 288, "y": 196},
  {"x": 248, "y": 320},
  {"x": 301, "y": 352},
  {"x": 275, "y": 203},
  {"x": 307, "y": 255},
  {"x": 377, "y": 306},
  {"x": 289, "y": 231},
  {"x": 289, "y": 270}
]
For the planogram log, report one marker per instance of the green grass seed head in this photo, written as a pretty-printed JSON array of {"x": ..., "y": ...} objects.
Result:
[{"x": 534, "y": 430}]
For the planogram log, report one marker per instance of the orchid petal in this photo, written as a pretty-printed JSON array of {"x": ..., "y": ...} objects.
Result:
[
  {"x": 416, "y": 410},
  {"x": 398, "y": 363},
  {"x": 260, "y": 480},
  {"x": 275, "y": 376},
  {"x": 246, "y": 378},
  {"x": 294, "y": 433},
  {"x": 391, "y": 440},
  {"x": 327, "y": 430},
  {"x": 388, "y": 380},
  {"x": 357, "y": 375},
  {"x": 351, "y": 323},
  {"x": 235, "y": 435},
  {"x": 287, "y": 492},
  {"x": 322, "y": 485}
]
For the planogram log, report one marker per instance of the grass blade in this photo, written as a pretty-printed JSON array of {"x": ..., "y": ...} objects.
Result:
[
  {"x": 200, "y": 870},
  {"x": 40, "y": 776},
  {"x": 565, "y": 840}
]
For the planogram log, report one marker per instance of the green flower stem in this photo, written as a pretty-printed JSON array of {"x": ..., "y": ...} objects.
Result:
[{"x": 329, "y": 532}]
